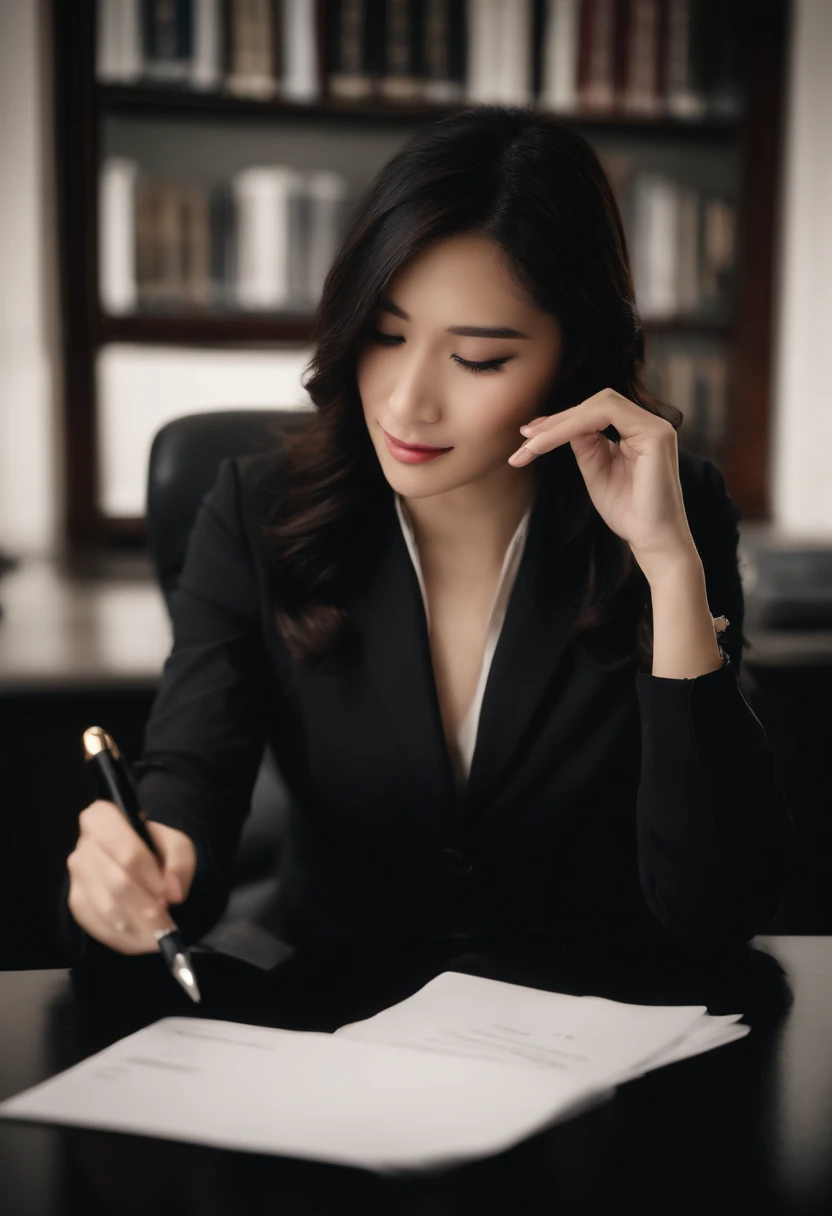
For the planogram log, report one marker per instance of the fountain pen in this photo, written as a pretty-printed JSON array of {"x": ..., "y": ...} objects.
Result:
[{"x": 114, "y": 785}]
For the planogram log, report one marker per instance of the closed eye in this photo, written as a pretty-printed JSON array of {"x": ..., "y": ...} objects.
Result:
[{"x": 490, "y": 365}]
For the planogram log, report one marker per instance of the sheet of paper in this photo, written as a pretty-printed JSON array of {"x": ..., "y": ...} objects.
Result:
[
  {"x": 472, "y": 1017},
  {"x": 304, "y": 1094}
]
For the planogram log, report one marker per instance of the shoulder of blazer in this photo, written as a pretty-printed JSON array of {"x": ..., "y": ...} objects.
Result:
[{"x": 258, "y": 478}]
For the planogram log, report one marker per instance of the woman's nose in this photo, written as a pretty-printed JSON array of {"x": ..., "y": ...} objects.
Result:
[{"x": 413, "y": 393}]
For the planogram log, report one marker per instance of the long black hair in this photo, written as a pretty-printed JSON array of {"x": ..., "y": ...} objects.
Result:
[{"x": 534, "y": 187}]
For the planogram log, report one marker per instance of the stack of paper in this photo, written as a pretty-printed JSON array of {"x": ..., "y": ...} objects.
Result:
[
  {"x": 612, "y": 1042},
  {"x": 464, "y": 1068}
]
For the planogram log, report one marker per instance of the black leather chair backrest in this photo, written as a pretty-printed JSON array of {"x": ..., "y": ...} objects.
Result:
[{"x": 184, "y": 462}]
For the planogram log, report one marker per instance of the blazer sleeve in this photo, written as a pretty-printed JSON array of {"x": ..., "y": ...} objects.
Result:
[
  {"x": 205, "y": 735},
  {"x": 714, "y": 831}
]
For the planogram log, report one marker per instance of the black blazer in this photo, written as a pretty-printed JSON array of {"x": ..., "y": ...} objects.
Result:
[{"x": 596, "y": 799}]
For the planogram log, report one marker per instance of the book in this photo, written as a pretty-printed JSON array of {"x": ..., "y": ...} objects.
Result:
[
  {"x": 251, "y": 49},
  {"x": 444, "y": 52},
  {"x": 400, "y": 77},
  {"x": 689, "y": 260},
  {"x": 516, "y": 60},
  {"x": 640, "y": 55},
  {"x": 268, "y": 240},
  {"x": 559, "y": 63},
  {"x": 118, "y": 45},
  {"x": 117, "y": 276},
  {"x": 718, "y": 254},
  {"x": 500, "y": 59},
  {"x": 684, "y": 93},
  {"x": 655, "y": 247},
  {"x": 348, "y": 50},
  {"x": 326, "y": 194},
  {"x": 196, "y": 246},
  {"x": 482, "y": 84},
  {"x": 597, "y": 56},
  {"x": 146, "y": 239},
  {"x": 222, "y": 223},
  {"x": 206, "y": 61},
  {"x": 167, "y": 40},
  {"x": 297, "y": 34},
  {"x": 169, "y": 285}
]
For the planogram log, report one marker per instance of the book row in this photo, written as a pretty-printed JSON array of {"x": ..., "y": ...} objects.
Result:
[
  {"x": 647, "y": 58},
  {"x": 264, "y": 240}
]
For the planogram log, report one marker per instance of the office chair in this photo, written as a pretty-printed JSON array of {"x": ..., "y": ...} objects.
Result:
[{"x": 184, "y": 463}]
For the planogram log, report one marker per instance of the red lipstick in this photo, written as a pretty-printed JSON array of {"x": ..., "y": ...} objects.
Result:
[{"x": 411, "y": 453}]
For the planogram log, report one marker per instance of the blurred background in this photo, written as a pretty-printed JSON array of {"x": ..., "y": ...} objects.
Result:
[{"x": 175, "y": 178}]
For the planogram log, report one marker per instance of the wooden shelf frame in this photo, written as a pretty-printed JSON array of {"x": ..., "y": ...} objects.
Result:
[
  {"x": 203, "y": 328},
  {"x": 153, "y": 99},
  {"x": 81, "y": 103}
]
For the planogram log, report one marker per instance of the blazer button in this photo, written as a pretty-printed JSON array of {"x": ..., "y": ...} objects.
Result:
[{"x": 457, "y": 862}]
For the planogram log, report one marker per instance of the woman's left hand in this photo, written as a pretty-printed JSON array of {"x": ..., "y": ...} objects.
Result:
[{"x": 634, "y": 485}]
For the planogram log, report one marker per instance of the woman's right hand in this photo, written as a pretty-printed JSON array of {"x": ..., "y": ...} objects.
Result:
[{"x": 119, "y": 892}]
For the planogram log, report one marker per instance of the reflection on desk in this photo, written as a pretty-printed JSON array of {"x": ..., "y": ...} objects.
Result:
[{"x": 65, "y": 629}]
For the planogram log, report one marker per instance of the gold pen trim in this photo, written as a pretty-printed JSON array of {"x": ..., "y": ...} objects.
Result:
[{"x": 96, "y": 740}]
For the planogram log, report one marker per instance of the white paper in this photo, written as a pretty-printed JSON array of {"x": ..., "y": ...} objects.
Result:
[
  {"x": 464, "y": 1068},
  {"x": 302, "y": 1094},
  {"x": 607, "y": 1041}
]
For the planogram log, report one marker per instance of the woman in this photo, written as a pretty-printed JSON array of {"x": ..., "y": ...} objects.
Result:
[{"x": 490, "y": 673}]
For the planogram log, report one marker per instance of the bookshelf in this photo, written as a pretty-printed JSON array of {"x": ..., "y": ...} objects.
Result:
[{"x": 169, "y": 128}]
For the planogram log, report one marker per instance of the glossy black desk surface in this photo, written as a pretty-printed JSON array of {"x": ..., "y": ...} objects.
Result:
[{"x": 746, "y": 1128}]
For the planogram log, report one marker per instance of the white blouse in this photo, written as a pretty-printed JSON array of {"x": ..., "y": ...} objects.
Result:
[{"x": 511, "y": 562}]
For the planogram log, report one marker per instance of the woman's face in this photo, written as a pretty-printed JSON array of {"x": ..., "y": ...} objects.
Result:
[{"x": 415, "y": 376}]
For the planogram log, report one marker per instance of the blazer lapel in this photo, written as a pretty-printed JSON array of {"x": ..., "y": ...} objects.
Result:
[
  {"x": 387, "y": 612},
  {"x": 389, "y": 615},
  {"x": 541, "y": 612}
]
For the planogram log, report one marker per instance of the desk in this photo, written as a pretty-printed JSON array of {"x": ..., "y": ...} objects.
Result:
[{"x": 746, "y": 1128}]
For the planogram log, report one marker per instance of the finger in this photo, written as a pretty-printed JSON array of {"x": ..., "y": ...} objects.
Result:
[
  {"x": 594, "y": 415},
  {"x": 108, "y": 826},
  {"x": 179, "y": 853},
  {"x": 121, "y": 908},
  {"x": 119, "y": 899},
  {"x": 535, "y": 422}
]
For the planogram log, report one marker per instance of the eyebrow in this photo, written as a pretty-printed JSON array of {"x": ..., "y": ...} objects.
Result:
[{"x": 464, "y": 331}]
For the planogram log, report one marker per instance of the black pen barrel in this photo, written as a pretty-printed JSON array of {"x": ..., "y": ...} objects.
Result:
[{"x": 114, "y": 785}]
